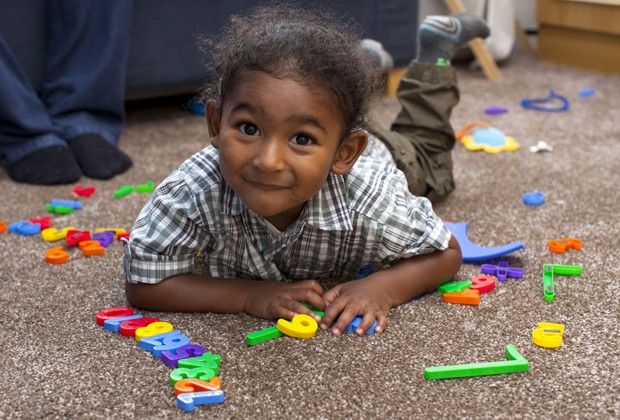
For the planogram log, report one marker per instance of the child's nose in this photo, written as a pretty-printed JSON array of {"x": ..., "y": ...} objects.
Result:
[{"x": 270, "y": 156}]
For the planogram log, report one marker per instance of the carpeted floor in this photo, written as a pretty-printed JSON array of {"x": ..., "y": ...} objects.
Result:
[{"x": 57, "y": 363}]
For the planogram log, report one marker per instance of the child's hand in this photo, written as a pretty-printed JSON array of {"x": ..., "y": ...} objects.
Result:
[
  {"x": 276, "y": 299},
  {"x": 358, "y": 297}
]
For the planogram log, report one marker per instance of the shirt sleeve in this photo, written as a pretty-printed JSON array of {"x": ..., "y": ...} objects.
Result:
[
  {"x": 167, "y": 234},
  {"x": 414, "y": 229}
]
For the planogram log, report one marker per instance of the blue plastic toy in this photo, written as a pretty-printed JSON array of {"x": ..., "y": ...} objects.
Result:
[
  {"x": 188, "y": 400},
  {"x": 534, "y": 198},
  {"x": 352, "y": 327},
  {"x": 472, "y": 252},
  {"x": 538, "y": 104}
]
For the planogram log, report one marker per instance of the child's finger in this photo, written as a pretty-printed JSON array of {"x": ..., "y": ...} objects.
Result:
[
  {"x": 331, "y": 313},
  {"x": 368, "y": 319},
  {"x": 345, "y": 318},
  {"x": 382, "y": 322}
]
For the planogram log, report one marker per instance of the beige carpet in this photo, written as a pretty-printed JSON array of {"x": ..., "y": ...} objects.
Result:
[{"x": 57, "y": 363}]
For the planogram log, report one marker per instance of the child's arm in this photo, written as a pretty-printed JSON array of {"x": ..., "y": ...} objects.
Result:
[
  {"x": 375, "y": 295},
  {"x": 195, "y": 293}
]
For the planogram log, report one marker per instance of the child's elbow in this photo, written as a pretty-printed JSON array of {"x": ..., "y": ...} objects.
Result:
[
  {"x": 137, "y": 295},
  {"x": 456, "y": 255}
]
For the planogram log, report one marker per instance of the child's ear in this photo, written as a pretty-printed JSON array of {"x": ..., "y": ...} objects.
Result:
[
  {"x": 349, "y": 151},
  {"x": 214, "y": 121}
]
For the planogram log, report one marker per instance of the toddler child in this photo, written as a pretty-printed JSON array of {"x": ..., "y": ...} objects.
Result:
[{"x": 293, "y": 192}]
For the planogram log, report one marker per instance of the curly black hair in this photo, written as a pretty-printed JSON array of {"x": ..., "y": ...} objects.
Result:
[{"x": 312, "y": 47}]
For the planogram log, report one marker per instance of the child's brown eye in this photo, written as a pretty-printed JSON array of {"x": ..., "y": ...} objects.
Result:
[
  {"x": 248, "y": 129},
  {"x": 302, "y": 140}
]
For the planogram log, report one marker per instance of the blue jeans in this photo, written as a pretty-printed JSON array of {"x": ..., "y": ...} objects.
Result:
[{"x": 84, "y": 86}]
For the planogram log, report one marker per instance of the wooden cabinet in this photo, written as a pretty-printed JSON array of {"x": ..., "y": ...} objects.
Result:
[{"x": 580, "y": 33}]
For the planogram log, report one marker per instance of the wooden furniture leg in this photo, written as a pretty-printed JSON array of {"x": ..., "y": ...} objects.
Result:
[{"x": 489, "y": 67}]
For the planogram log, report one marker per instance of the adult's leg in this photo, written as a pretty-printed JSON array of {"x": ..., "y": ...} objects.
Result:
[
  {"x": 31, "y": 147},
  {"x": 84, "y": 86}
]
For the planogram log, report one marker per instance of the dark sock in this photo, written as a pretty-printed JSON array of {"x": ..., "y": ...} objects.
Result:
[
  {"x": 50, "y": 166},
  {"x": 98, "y": 158},
  {"x": 439, "y": 37}
]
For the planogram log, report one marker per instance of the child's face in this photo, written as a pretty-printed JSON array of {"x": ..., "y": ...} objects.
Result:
[{"x": 278, "y": 140}]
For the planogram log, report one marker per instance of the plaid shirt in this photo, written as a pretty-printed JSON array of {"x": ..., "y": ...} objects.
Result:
[{"x": 364, "y": 217}]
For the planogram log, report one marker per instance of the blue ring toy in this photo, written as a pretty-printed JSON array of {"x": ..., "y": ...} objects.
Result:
[{"x": 535, "y": 103}]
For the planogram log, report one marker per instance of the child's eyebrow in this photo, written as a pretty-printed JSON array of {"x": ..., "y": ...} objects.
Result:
[{"x": 306, "y": 119}]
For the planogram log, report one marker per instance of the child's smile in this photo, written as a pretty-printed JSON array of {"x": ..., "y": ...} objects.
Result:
[{"x": 278, "y": 141}]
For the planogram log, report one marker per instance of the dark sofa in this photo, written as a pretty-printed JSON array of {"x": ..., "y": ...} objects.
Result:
[{"x": 164, "y": 58}]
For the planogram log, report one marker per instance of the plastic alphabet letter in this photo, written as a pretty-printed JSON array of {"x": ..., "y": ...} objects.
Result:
[
  {"x": 91, "y": 247},
  {"x": 114, "y": 324},
  {"x": 465, "y": 297},
  {"x": 483, "y": 284},
  {"x": 184, "y": 373},
  {"x": 548, "y": 335},
  {"x": 515, "y": 363},
  {"x": 53, "y": 234},
  {"x": 549, "y": 270},
  {"x": 455, "y": 286},
  {"x": 56, "y": 255},
  {"x": 171, "y": 357},
  {"x": 352, "y": 327},
  {"x": 301, "y": 326},
  {"x": 74, "y": 237},
  {"x": 196, "y": 385},
  {"x": 104, "y": 238},
  {"x": 208, "y": 360},
  {"x": 155, "y": 328},
  {"x": 115, "y": 312},
  {"x": 261, "y": 336},
  {"x": 189, "y": 400},
  {"x": 128, "y": 328}
]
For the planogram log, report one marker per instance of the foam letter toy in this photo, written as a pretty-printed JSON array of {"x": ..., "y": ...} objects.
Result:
[
  {"x": 472, "y": 252},
  {"x": 352, "y": 327},
  {"x": 83, "y": 191},
  {"x": 56, "y": 255},
  {"x": 483, "y": 284},
  {"x": 128, "y": 328},
  {"x": 455, "y": 286},
  {"x": 171, "y": 339},
  {"x": 563, "y": 244},
  {"x": 548, "y": 335},
  {"x": 549, "y": 270},
  {"x": 25, "y": 228},
  {"x": 167, "y": 341},
  {"x": 76, "y": 236},
  {"x": 261, "y": 336},
  {"x": 53, "y": 234},
  {"x": 155, "y": 328},
  {"x": 189, "y": 400},
  {"x": 515, "y": 363},
  {"x": 114, "y": 324},
  {"x": 302, "y": 326},
  {"x": 171, "y": 357},
  {"x": 502, "y": 271},
  {"x": 44, "y": 222},
  {"x": 72, "y": 204},
  {"x": 196, "y": 385},
  {"x": 91, "y": 247},
  {"x": 104, "y": 238},
  {"x": 184, "y": 373},
  {"x": 465, "y": 297},
  {"x": 115, "y": 312},
  {"x": 208, "y": 360}
]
